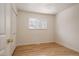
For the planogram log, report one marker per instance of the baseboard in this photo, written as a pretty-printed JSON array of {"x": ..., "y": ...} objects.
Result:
[
  {"x": 36, "y": 43},
  {"x": 67, "y": 46}
]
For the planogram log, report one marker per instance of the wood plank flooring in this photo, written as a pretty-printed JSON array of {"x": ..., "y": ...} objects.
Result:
[{"x": 44, "y": 49}]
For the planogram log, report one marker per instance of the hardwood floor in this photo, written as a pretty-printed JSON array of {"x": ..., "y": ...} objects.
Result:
[{"x": 44, "y": 49}]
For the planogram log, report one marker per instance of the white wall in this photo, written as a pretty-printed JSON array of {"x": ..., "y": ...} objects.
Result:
[
  {"x": 27, "y": 36},
  {"x": 67, "y": 27}
]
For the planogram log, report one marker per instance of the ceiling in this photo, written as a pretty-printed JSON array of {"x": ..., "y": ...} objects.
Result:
[{"x": 45, "y": 8}]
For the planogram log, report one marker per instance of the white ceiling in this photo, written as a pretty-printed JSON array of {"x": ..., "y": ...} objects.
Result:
[{"x": 46, "y": 8}]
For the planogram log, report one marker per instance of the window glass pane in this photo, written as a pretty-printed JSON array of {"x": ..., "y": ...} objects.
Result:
[{"x": 37, "y": 24}]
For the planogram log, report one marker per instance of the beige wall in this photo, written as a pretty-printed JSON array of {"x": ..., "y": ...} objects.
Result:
[
  {"x": 28, "y": 36},
  {"x": 67, "y": 27}
]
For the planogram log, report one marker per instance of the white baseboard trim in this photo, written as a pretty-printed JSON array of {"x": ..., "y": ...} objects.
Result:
[
  {"x": 33, "y": 43},
  {"x": 67, "y": 46}
]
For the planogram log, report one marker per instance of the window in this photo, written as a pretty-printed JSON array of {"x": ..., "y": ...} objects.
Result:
[{"x": 37, "y": 23}]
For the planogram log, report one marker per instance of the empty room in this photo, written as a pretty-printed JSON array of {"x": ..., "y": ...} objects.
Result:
[{"x": 39, "y": 29}]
